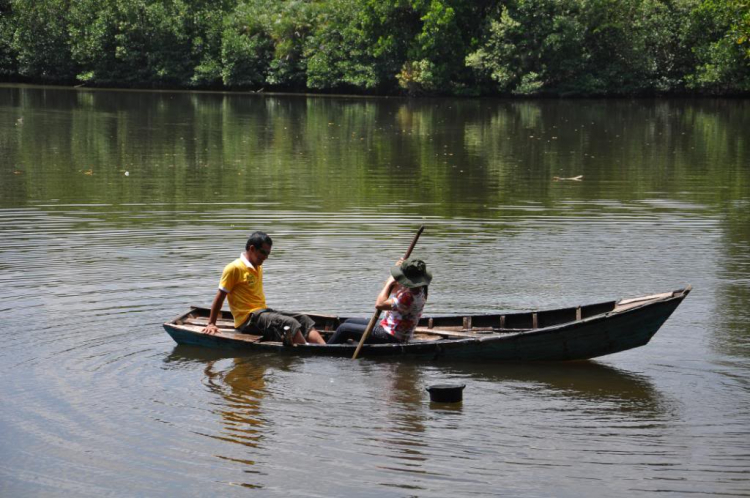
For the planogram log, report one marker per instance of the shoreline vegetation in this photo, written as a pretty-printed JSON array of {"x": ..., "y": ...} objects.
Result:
[{"x": 470, "y": 48}]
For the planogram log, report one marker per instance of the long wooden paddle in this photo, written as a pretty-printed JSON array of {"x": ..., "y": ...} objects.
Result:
[{"x": 376, "y": 315}]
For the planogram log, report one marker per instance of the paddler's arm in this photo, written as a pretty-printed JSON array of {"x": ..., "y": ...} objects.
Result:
[
  {"x": 383, "y": 302},
  {"x": 211, "y": 328}
]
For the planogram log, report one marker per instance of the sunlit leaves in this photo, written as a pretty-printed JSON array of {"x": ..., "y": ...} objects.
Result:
[{"x": 721, "y": 30}]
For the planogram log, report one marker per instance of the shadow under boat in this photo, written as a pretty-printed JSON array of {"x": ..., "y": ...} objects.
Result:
[{"x": 584, "y": 380}]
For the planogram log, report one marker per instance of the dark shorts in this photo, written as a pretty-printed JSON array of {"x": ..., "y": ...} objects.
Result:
[{"x": 273, "y": 325}]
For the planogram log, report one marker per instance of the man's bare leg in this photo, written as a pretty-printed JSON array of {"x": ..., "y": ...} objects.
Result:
[
  {"x": 314, "y": 337},
  {"x": 298, "y": 338}
]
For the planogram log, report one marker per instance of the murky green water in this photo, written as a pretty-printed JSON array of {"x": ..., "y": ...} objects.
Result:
[{"x": 119, "y": 209}]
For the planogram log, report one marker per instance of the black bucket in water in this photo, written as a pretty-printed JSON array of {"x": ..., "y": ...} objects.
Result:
[{"x": 446, "y": 393}]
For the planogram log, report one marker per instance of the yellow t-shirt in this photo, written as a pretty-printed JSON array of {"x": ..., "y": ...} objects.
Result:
[{"x": 243, "y": 284}]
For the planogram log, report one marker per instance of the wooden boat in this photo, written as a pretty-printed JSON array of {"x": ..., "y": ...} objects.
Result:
[{"x": 574, "y": 333}]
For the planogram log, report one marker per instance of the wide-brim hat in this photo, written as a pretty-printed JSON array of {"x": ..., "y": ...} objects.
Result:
[{"x": 412, "y": 273}]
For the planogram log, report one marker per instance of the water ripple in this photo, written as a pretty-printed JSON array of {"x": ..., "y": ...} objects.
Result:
[{"x": 102, "y": 383}]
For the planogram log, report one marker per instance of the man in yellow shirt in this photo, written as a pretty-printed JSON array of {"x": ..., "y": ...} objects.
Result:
[{"x": 242, "y": 283}]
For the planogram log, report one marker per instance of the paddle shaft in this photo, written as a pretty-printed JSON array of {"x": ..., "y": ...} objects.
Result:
[{"x": 376, "y": 315}]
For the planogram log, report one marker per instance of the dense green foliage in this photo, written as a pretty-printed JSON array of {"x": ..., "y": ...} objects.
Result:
[{"x": 418, "y": 47}]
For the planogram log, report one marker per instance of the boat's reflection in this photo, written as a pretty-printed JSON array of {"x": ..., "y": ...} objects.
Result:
[
  {"x": 404, "y": 411},
  {"x": 196, "y": 354},
  {"x": 584, "y": 381},
  {"x": 588, "y": 381}
]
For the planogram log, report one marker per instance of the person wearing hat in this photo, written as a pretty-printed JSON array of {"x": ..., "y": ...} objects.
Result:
[{"x": 402, "y": 298}]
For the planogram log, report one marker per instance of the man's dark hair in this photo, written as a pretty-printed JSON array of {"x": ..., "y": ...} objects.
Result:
[{"x": 257, "y": 239}]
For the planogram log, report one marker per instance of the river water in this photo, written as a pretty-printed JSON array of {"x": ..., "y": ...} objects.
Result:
[{"x": 118, "y": 210}]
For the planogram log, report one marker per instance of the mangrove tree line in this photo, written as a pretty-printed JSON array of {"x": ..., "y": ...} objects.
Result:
[{"x": 416, "y": 47}]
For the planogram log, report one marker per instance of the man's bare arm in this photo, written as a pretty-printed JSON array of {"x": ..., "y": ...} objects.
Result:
[{"x": 211, "y": 328}]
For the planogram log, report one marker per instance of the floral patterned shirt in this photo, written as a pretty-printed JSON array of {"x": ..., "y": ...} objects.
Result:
[{"x": 401, "y": 321}]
